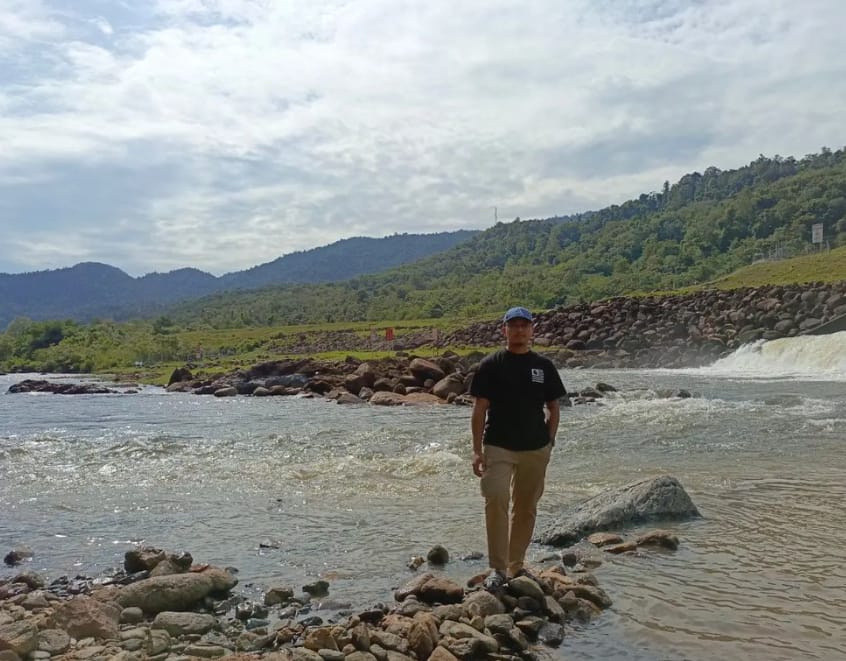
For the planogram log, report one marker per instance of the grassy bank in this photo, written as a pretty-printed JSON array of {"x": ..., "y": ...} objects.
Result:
[{"x": 826, "y": 266}]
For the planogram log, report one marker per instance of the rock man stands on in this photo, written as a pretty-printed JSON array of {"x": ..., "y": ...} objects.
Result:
[{"x": 512, "y": 441}]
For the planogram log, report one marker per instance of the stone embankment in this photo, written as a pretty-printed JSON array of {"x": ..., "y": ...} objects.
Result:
[{"x": 672, "y": 331}]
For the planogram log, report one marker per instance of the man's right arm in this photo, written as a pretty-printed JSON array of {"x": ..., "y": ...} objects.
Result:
[{"x": 477, "y": 426}]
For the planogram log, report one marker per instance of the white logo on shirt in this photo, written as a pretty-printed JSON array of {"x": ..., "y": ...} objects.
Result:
[{"x": 537, "y": 375}]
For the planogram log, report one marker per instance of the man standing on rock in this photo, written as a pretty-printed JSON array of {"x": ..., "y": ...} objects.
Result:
[{"x": 514, "y": 422}]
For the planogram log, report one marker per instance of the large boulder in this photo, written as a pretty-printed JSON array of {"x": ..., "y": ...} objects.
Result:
[
  {"x": 179, "y": 375},
  {"x": 19, "y": 637},
  {"x": 647, "y": 500},
  {"x": 86, "y": 617},
  {"x": 425, "y": 369},
  {"x": 431, "y": 589},
  {"x": 453, "y": 383},
  {"x": 143, "y": 559},
  {"x": 176, "y": 592},
  {"x": 181, "y": 623},
  {"x": 384, "y": 398}
]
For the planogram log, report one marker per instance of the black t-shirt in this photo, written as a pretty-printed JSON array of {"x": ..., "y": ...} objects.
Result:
[{"x": 518, "y": 386}]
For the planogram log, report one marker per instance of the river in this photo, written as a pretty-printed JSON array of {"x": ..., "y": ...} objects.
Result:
[{"x": 350, "y": 492}]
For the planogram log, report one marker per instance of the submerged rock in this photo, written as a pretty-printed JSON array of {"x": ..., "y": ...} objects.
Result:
[
  {"x": 33, "y": 385},
  {"x": 647, "y": 500}
]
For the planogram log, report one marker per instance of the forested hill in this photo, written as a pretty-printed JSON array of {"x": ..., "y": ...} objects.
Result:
[
  {"x": 705, "y": 225},
  {"x": 345, "y": 259},
  {"x": 92, "y": 290}
]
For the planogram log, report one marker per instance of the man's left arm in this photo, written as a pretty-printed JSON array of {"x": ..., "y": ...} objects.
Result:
[{"x": 553, "y": 413}]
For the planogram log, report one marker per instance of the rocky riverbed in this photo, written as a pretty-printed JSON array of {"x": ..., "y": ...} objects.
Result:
[
  {"x": 161, "y": 606},
  {"x": 166, "y": 607}
]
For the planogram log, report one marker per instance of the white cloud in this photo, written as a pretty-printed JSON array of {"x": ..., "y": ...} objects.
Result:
[{"x": 232, "y": 131}]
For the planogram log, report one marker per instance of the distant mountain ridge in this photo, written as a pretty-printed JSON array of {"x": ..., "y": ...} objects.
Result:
[
  {"x": 705, "y": 225},
  {"x": 91, "y": 290}
]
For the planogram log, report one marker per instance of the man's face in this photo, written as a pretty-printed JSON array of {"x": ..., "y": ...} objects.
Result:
[{"x": 518, "y": 332}]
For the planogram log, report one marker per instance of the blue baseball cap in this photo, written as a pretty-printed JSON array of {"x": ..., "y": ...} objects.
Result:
[{"x": 517, "y": 313}]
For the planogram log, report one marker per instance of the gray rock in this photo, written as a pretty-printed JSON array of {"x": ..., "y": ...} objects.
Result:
[
  {"x": 379, "y": 652},
  {"x": 388, "y": 640},
  {"x": 459, "y": 630},
  {"x": 19, "y": 637},
  {"x": 553, "y": 609},
  {"x": 551, "y": 634},
  {"x": 384, "y": 398},
  {"x": 425, "y": 370},
  {"x": 481, "y": 603},
  {"x": 451, "y": 384},
  {"x": 29, "y": 578},
  {"x": 143, "y": 559},
  {"x": 177, "y": 592},
  {"x": 136, "y": 633},
  {"x": 499, "y": 624},
  {"x": 132, "y": 644},
  {"x": 523, "y": 586},
  {"x": 159, "y": 642},
  {"x": 393, "y": 655},
  {"x": 647, "y": 500},
  {"x": 531, "y": 625},
  {"x": 206, "y": 651},
  {"x": 361, "y": 656},
  {"x": 278, "y": 595},
  {"x": 179, "y": 624},
  {"x": 438, "y": 555},
  {"x": 54, "y": 641},
  {"x": 317, "y": 589},
  {"x": 84, "y": 617},
  {"x": 331, "y": 655},
  {"x": 431, "y": 589},
  {"x": 132, "y": 615},
  {"x": 125, "y": 656},
  {"x": 35, "y": 600}
]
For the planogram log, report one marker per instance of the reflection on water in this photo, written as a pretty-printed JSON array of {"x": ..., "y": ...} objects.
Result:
[{"x": 353, "y": 491}]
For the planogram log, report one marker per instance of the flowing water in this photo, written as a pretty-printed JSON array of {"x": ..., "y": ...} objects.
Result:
[{"x": 351, "y": 492}]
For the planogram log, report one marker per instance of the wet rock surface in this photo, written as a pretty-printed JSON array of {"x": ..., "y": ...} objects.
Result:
[
  {"x": 33, "y": 385},
  {"x": 652, "y": 499},
  {"x": 432, "y": 617}
]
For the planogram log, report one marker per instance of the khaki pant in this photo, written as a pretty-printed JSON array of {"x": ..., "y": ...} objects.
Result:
[{"x": 517, "y": 476}]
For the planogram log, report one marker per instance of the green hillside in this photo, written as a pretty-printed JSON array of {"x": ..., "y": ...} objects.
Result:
[
  {"x": 702, "y": 227},
  {"x": 824, "y": 266}
]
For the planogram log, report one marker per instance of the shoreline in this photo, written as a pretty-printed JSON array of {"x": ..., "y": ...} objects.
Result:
[
  {"x": 164, "y": 607},
  {"x": 667, "y": 331}
]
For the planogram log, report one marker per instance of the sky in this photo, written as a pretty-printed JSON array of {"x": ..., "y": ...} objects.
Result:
[{"x": 220, "y": 134}]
